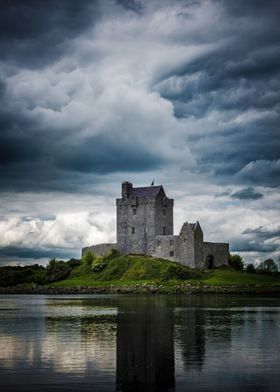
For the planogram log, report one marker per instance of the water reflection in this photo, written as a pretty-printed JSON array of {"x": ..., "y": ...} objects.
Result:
[
  {"x": 138, "y": 343},
  {"x": 190, "y": 335},
  {"x": 145, "y": 346}
]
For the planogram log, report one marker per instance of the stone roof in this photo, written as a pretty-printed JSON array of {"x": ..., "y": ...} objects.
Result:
[{"x": 147, "y": 191}]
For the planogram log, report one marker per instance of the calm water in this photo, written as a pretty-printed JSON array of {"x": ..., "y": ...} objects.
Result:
[{"x": 139, "y": 343}]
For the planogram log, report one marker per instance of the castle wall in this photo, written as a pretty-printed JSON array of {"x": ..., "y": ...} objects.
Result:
[
  {"x": 166, "y": 247},
  {"x": 163, "y": 215},
  {"x": 219, "y": 252},
  {"x": 186, "y": 253},
  {"x": 99, "y": 249}
]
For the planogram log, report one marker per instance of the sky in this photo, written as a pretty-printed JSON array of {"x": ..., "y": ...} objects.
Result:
[{"x": 93, "y": 93}]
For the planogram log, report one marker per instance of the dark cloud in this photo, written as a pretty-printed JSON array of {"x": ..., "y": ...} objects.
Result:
[
  {"x": 247, "y": 194},
  {"x": 35, "y": 32},
  {"x": 102, "y": 155},
  {"x": 260, "y": 239},
  {"x": 241, "y": 75},
  {"x": 263, "y": 233},
  {"x": 253, "y": 246},
  {"x": 28, "y": 253},
  {"x": 263, "y": 171},
  {"x": 237, "y": 77}
]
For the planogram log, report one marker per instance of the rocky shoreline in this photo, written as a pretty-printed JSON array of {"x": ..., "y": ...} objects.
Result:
[{"x": 144, "y": 288}]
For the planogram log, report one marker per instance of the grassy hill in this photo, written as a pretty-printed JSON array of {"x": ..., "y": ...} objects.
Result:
[
  {"x": 132, "y": 270},
  {"x": 128, "y": 269},
  {"x": 131, "y": 273}
]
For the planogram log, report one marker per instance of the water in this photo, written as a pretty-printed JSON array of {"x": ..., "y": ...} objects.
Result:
[{"x": 139, "y": 343}]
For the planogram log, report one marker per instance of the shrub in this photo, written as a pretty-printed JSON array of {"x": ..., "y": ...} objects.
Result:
[
  {"x": 99, "y": 264},
  {"x": 74, "y": 262},
  {"x": 89, "y": 258}
]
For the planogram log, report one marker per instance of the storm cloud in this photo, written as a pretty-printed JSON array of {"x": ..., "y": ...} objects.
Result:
[
  {"x": 95, "y": 92},
  {"x": 247, "y": 193}
]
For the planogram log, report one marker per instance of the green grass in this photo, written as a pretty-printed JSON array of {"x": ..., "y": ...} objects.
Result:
[
  {"x": 137, "y": 269},
  {"x": 227, "y": 276}
]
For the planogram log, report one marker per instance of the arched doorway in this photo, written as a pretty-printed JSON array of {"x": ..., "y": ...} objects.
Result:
[{"x": 209, "y": 262}]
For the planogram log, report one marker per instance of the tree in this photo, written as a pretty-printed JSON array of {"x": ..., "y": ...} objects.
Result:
[
  {"x": 250, "y": 268},
  {"x": 236, "y": 262},
  {"x": 268, "y": 265},
  {"x": 57, "y": 270}
]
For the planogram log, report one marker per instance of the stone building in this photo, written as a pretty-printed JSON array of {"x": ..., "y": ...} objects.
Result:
[{"x": 145, "y": 226}]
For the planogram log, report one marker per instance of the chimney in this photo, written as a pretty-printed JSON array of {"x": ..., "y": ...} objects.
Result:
[{"x": 126, "y": 189}]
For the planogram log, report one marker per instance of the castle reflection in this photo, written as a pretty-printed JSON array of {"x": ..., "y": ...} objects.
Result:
[
  {"x": 145, "y": 347},
  {"x": 190, "y": 337}
]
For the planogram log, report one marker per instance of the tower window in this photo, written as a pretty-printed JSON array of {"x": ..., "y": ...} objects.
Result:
[
  {"x": 164, "y": 230},
  {"x": 158, "y": 243},
  {"x": 171, "y": 253},
  {"x": 163, "y": 212},
  {"x": 133, "y": 230},
  {"x": 134, "y": 211},
  {"x": 171, "y": 242}
]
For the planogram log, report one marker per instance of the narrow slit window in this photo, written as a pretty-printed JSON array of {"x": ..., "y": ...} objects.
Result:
[
  {"x": 159, "y": 243},
  {"x": 171, "y": 242},
  {"x": 163, "y": 212},
  {"x": 164, "y": 230},
  {"x": 133, "y": 230},
  {"x": 134, "y": 211},
  {"x": 171, "y": 253}
]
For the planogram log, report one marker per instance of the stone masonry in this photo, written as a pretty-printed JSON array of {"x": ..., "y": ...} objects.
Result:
[{"x": 145, "y": 226}]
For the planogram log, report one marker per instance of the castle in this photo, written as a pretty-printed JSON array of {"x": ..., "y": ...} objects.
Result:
[{"x": 145, "y": 226}]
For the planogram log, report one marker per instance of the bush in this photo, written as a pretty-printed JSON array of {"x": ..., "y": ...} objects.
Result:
[
  {"x": 99, "y": 264},
  {"x": 236, "y": 262},
  {"x": 112, "y": 254},
  {"x": 89, "y": 258}
]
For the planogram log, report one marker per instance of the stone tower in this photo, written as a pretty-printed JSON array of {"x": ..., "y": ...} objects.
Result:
[{"x": 142, "y": 214}]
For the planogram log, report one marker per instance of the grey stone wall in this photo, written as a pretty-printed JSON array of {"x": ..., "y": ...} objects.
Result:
[
  {"x": 99, "y": 249},
  {"x": 198, "y": 246},
  {"x": 182, "y": 246},
  {"x": 135, "y": 225},
  {"x": 219, "y": 251},
  {"x": 166, "y": 247},
  {"x": 163, "y": 215},
  {"x": 186, "y": 246}
]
